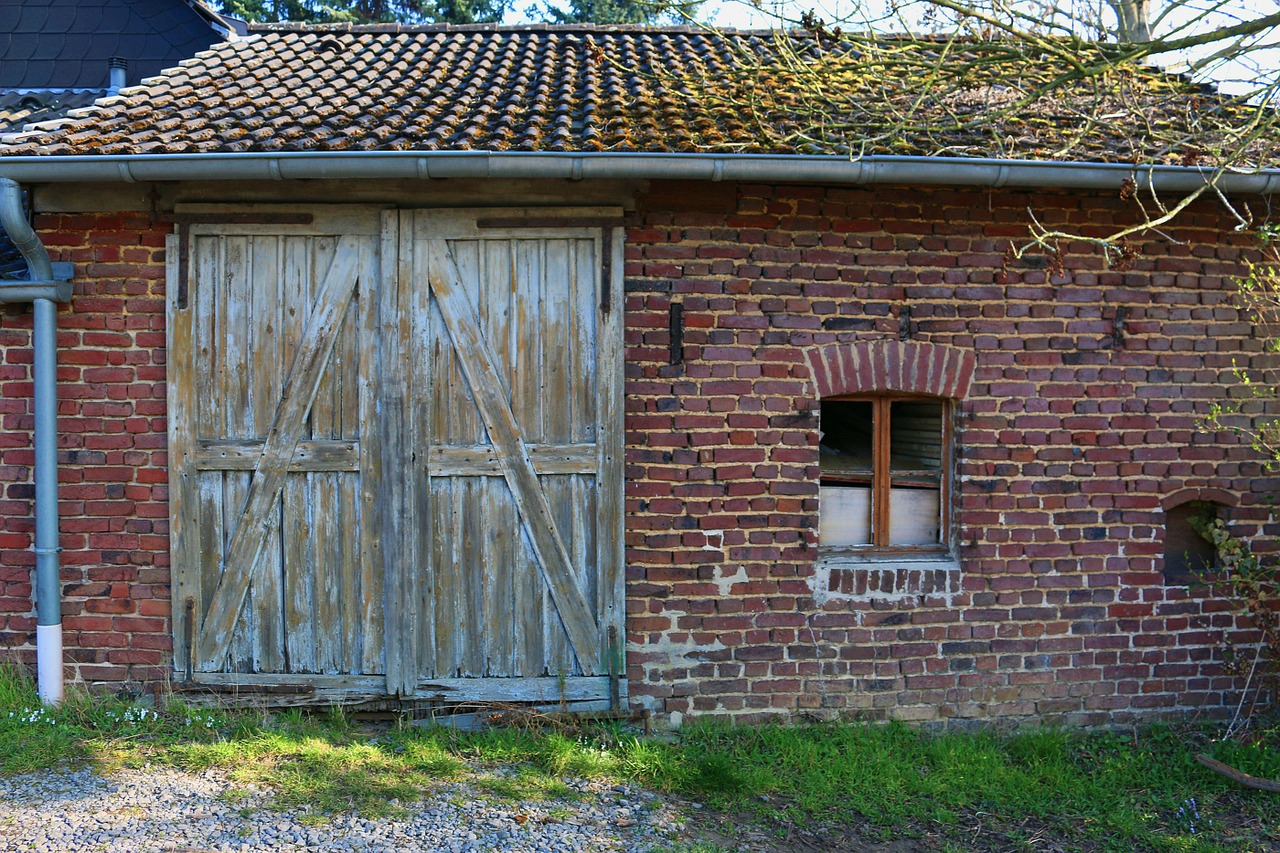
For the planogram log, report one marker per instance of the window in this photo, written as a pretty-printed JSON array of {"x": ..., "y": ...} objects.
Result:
[{"x": 885, "y": 463}]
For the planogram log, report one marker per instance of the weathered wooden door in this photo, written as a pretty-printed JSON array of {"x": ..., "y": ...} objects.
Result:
[
  {"x": 272, "y": 365},
  {"x": 511, "y": 519},
  {"x": 396, "y": 452}
]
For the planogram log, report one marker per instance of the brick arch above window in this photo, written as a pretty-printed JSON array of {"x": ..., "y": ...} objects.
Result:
[
  {"x": 905, "y": 366},
  {"x": 1182, "y": 496}
]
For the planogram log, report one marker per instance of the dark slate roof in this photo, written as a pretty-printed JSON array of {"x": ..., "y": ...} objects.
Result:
[
  {"x": 65, "y": 44},
  {"x": 21, "y": 108},
  {"x": 584, "y": 88}
]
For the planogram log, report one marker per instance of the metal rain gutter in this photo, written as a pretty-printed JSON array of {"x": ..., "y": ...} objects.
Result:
[
  {"x": 792, "y": 168},
  {"x": 44, "y": 291}
]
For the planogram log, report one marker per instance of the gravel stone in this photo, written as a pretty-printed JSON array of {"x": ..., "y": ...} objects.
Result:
[{"x": 161, "y": 809}]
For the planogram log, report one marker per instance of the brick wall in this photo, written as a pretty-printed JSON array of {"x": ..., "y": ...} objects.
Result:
[
  {"x": 112, "y": 474},
  {"x": 1075, "y": 431},
  {"x": 1080, "y": 421}
]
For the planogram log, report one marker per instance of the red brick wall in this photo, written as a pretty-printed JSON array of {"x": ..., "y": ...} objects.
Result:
[
  {"x": 112, "y": 474},
  {"x": 1074, "y": 430},
  {"x": 1070, "y": 438}
]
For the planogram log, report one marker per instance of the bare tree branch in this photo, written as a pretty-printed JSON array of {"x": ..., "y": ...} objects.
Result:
[{"x": 1024, "y": 79}]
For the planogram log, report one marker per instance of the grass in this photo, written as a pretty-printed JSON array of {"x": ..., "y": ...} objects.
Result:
[
  {"x": 1114, "y": 791},
  {"x": 1103, "y": 791}
]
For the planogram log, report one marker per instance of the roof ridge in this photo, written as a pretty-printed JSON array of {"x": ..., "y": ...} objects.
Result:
[
  {"x": 342, "y": 27},
  {"x": 287, "y": 27}
]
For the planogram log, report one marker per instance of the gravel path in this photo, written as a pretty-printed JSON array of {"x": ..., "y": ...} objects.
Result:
[{"x": 140, "y": 811}]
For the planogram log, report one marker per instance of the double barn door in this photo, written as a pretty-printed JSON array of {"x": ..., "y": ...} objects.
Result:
[{"x": 396, "y": 452}]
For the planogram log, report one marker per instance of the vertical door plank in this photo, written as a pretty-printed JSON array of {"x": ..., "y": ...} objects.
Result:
[
  {"x": 206, "y": 300},
  {"x": 182, "y": 413},
  {"x": 583, "y": 278},
  {"x": 406, "y": 608},
  {"x": 347, "y": 359},
  {"x": 365, "y": 485},
  {"x": 467, "y": 427},
  {"x": 330, "y": 525},
  {"x": 393, "y": 341},
  {"x": 497, "y": 285},
  {"x": 610, "y": 488},
  {"x": 555, "y": 639},
  {"x": 265, "y": 317},
  {"x": 237, "y": 340},
  {"x": 502, "y": 544},
  {"x": 557, "y": 427},
  {"x": 441, "y": 374},
  {"x": 419, "y": 608},
  {"x": 296, "y": 524},
  {"x": 330, "y": 529},
  {"x": 469, "y": 568},
  {"x": 206, "y": 308},
  {"x": 470, "y": 578},
  {"x": 349, "y": 581},
  {"x": 444, "y": 567},
  {"x": 528, "y": 588},
  {"x": 584, "y": 296},
  {"x": 343, "y": 575},
  {"x": 453, "y": 594}
]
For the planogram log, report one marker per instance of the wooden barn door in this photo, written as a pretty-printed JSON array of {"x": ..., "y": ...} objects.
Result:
[
  {"x": 512, "y": 515},
  {"x": 396, "y": 452},
  {"x": 272, "y": 354}
]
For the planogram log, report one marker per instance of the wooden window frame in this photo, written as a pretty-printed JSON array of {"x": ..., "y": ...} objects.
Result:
[{"x": 881, "y": 484}]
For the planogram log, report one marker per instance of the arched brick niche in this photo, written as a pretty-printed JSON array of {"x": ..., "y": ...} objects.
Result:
[
  {"x": 903, "y": 366},
  {"x": 1187, "y": 555}
]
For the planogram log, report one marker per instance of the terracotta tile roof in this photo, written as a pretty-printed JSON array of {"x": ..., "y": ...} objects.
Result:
[{"x": 555, "y": 88}]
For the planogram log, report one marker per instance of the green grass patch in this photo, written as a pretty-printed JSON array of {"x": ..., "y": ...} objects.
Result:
[
  {"x": 1113, "y": 791},
  {"x": 1139, "y": 790},
  {"x": 525, "y": 784}
]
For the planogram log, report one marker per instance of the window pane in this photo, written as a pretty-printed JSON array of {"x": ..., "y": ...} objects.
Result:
[
  {"x": 845, "y": 464},
  {"x": 844, "y": 515},
  {"x": 913, "y": 516},
  {"x": 915, "y": 472}
]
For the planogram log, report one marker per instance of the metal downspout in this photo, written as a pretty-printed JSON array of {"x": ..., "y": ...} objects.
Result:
[{"x": 44, "y": 375}]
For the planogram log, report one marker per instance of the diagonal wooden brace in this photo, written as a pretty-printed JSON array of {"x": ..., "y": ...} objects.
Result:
[
  {"x": 252, "y": 527},
  {"x": 480, "y": 368}
]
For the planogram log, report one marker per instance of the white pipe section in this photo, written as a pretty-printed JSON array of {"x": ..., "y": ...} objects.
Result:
[
  {"x": 49, "y": 663},
  {"x": 792, "y": 168}
]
